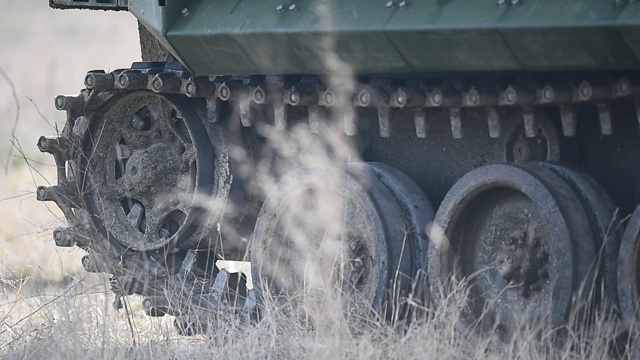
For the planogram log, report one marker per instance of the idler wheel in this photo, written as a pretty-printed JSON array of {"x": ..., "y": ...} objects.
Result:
[
  {"x": 326, "y": 234},
  {"x": 151, "y": 171},
  {"x": 519, "y": 237}
]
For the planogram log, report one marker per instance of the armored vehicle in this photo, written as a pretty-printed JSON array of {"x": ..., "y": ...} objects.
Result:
[{"x": 381, "y": 151}]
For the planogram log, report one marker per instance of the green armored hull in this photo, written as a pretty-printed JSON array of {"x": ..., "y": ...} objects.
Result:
[{"x": 247, "y": 38}]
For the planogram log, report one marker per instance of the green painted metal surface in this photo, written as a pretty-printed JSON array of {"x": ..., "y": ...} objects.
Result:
[{"x": 246, "y": 37}]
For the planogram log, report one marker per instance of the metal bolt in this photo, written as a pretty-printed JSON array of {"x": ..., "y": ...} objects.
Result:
[
  {"x": 180, "y": 148},
  {"x": 515, "y": 2},
  {"x": 624, "y": 87},
  {"x": 157, "y": 84},
  {"x": 510, "y": 95},
  {"x": 43, "y": 143},
  {"x": 402, "y": 4},
  {"x": 502, "y": 3},
  {"x": 364, "y": 98},
  {"x": 174, "y": 200},
  {"x": 548, "y": 93},
  {"x": 190, "y": 89},
  {"x": 224, "y": 92},
  {"x": 59, "y": 102},
  {"x": 280, "y": 8},
  {"x": 437, "y": 98},
  {"x": 293, "y": 8},
  {"x": 146, "y": 304},
  {"x": 185, "y": 12},
  {"x": 390, "y": 4},
  {"x": 401, "y": 98},
  {"x": 145, "y": 160},
  {"x": 473, "y": 98},
  {"x": 123, "y": 79},
  {"x": 294, "y": 97},
  {"x": 42, "y": 192},
  {"x": 58, "y": 235},
  {"x": 258, "y": 95},
  {"x": 585, "y": 90},
  {"x": 329, "y": 98},
  {"x": 89, "y": 80}
]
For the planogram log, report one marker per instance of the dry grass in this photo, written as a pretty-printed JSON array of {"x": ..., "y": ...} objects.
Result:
[{"x": 76, "y": 321}]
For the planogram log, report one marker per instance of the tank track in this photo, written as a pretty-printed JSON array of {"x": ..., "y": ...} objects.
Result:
[{"x": 154, "y": 274}]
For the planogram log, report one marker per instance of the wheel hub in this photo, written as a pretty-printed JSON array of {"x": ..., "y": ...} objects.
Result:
[
  {"x": 154, "y": 168},
  {"x": 523, "y": 262}
]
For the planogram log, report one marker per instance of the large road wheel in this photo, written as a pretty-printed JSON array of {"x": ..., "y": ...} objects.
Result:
[
  {"x": 629, "y": 280},
  {"x": 323, "y": 234},
  {"x": 520, "y": 238},
  {"x": 605, "y": 226}
]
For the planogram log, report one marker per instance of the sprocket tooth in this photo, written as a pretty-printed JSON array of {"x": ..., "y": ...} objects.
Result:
[
  {"x": 63, "y": 102},
  {"x": 64, "y": 237},
  {"x": 132, "y": 80},
  {"x": 98, "y": 80},
  {"x": 199, "y": 87},
  {"x": 166, "y": 83}
]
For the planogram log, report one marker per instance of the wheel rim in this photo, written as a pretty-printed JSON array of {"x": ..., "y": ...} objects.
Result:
[
  {"x": 604, "y": 220},
  {"x": 353, "y": 257},
  {"x": 629, "y": 271},
  {"x": 511, "y": 232},
  {"x": 417, "y": 214},
  {"x": 149, "y": 159}
]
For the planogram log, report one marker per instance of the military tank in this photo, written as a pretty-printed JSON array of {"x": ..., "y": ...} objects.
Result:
[{"x": 387, "y": 150}]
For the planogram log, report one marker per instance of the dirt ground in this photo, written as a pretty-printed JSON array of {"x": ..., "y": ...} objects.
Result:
[{"x": 45, "y": 52}]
